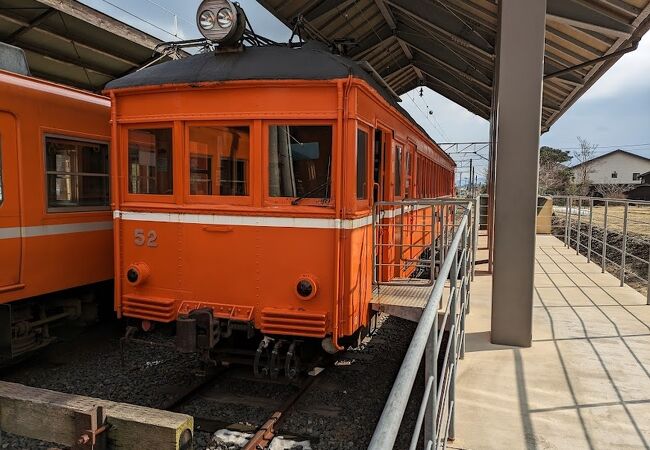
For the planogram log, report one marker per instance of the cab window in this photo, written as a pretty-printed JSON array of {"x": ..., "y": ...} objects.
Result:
[
  {"x": 219, "y": 160},
  {"x": 77, "y": 174},
  {"x": 300, "y": 161},
  {"x": 150, "y": 161}
]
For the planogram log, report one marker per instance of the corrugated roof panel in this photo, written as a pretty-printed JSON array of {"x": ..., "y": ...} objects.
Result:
[
  {"x": 71, "y": 43},
  {"x": 450, "y": 45}
]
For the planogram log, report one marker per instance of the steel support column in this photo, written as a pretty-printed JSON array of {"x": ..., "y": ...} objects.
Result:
[{"x": 520, "y": 72}]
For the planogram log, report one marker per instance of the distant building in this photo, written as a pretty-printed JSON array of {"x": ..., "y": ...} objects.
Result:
[
  {"x": 617, "y": 167},
  {"x": 642, "y": 191}
]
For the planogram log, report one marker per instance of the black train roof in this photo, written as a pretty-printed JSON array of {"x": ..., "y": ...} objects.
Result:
[{"x": 312, "y": 61}]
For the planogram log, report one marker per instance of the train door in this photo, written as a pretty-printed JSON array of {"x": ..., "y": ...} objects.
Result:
[
  {"x": 379, "y": 186},
  {"x": 10, "y": 231},
  {"x": 378, "y": 190},
  {"x": 384, "y": 237}
]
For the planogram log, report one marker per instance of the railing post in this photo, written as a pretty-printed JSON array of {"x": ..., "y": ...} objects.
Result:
[
  {"x": 591, "y": 217},
  {"x": 443, "y": 232},
  {"x": 567, "y": 236},
  {"x": 375, "y": 230},
  {"x": 475, "y": 228},
  {"x": 648, "y": 293},
  {"x": 453, "y": 279},
  {"x": 624, "y": 249},
  {"x": 432, "y": 265},
  {"x": 464, "y": 280},
  {"x": 579, "y": 223},
  {"x": 431, "y": 370},
  {"x": 604, "y": 264}
]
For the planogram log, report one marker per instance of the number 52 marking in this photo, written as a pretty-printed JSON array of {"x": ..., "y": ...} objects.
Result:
[{"x": 151, "y": 237}]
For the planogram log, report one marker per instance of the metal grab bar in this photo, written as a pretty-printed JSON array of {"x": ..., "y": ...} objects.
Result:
[{"x": 438, "y": 402}]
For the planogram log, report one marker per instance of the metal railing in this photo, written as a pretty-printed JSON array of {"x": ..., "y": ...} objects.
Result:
[
  {"x": 439, "y": 338},
  {"x": 411, "y": 237},
  {"x": 604, "y": 229}
]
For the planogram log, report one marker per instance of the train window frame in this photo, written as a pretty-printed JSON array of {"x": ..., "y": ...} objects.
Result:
[
  {"x": 216, "y": 199},
  {"x": 364, "y": 203},
  {"x": 79, "y": 139},
  {"x": 409, "y": 166},
  {"x": 398, "y": 154},
  {"x": 130, "y": 197},
  {"x": 317, "y": 204},
  {"x": 2, "y": 191}
]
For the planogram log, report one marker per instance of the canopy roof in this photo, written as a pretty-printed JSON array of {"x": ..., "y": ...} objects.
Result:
[
  {"x": 73, "y": 44},
  {"x": 450, "y": 45}
]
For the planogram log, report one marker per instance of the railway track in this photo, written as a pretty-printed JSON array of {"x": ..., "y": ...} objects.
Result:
[{"x": 259, "y": 433}]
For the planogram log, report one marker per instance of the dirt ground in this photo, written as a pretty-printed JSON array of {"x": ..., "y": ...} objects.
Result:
[{"x": 638, "y": 218}]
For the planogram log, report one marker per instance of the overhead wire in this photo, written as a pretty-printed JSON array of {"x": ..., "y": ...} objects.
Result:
[
  {"x": 135, "y": 16},
  {"x": 372, "y": 28}
]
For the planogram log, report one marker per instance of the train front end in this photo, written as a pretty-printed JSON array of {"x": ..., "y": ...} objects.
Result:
[{"x": 226, "y": 215}]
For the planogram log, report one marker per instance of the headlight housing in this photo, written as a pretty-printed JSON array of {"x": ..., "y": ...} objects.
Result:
[
  {"x": 206, "y": 20},
  {"x": 221, "y": 21}
]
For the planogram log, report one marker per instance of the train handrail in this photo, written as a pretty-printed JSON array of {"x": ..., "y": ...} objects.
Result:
[{"x": 438, "y": 401}]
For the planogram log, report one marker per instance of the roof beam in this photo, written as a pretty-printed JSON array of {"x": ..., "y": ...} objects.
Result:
[
  {"x": 379, "y": 39},
  {"x": 623, "y": 6},
  {"x": 390, "y": 77},
  {"x": 405, "y": 48},
  {"x": 326, "y": 8},
  {"x": 457, "y": 96},
  {"x": 86, "y": 46},
  {"x": 457, "y": 91},
  {"x": 579, "y": 15},
  {"x": 33, "y": 23},
  {"x": 66, "y": 60},
  {"x": 385, "y": 12},
  {"x": 480, "y": 105},
  {"x": 450, "y": 67},
  {"x": 441, "y": 31},
  {"x": 92, "y": 16},
  {"x": 65, "y": 81}
]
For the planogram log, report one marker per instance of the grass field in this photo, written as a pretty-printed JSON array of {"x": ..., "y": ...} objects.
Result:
[{"x": 638, "y": 221}]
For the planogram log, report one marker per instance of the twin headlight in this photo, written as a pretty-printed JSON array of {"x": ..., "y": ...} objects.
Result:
[{"x": 221, "y": 21}]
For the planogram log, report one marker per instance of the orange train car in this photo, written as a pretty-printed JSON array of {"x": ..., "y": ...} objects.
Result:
[
  {"x": 55, "y": 219},
  {"x": 243, "y": 184}
]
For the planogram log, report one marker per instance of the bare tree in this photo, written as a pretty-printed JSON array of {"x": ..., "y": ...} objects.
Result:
[
  {"x": 554, "y": 176},
  {"x": 614, "y": 190},
  {"x": 584, "y": 156}
]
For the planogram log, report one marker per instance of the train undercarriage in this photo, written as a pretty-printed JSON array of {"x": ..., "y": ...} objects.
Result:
[
  {"x": 29, "y": 325},
  {"x": 216, "y": 341}
]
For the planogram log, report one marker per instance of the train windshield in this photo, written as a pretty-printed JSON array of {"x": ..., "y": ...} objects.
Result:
[
  {"x": 219, "y": 160},
  {"x": 300, "y": 161}
]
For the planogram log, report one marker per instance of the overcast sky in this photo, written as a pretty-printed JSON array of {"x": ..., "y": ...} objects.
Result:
[{"x": 614, "y": 113}]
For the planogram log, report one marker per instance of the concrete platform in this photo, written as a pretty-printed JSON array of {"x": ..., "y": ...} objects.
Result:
[{"x": 584, "y": 383}]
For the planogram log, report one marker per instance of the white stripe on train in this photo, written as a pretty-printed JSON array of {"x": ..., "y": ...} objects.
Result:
[
  {"x": 52, "y": 230},
  {"x": 253, "y": 221}
]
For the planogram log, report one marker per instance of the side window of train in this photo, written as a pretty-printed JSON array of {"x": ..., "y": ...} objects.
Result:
[
  {"x": 407, "y": 181},
  {"x": 398, "y": 170},
  {"x": 2, "y": 194},
  {"x": 150, "y": 161},
  {"x": 300, "y": 161},
  {"x": 362, "y": 165},
  {"x": 219, "y": 160},
  {"x": 77, "y": 174}
]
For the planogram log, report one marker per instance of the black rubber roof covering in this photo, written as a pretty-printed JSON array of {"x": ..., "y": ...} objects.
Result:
[{"x": 312, "y": 61}]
